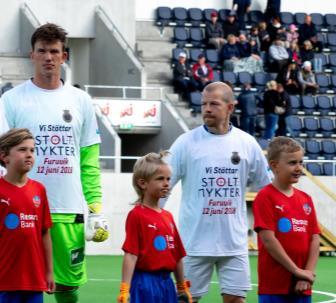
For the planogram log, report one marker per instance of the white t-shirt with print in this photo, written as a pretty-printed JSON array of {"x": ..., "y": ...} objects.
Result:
[
  {"x": 62, "y": 121},
  {"x": 3, "y": 129},
  {"x": 214, "y": 171}
]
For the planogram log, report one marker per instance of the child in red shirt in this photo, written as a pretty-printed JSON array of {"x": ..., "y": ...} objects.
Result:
[
  {"x": 288, "y": 232},
  {"x": 153, "y": 248},
  {"x": 25, "y": 245}
]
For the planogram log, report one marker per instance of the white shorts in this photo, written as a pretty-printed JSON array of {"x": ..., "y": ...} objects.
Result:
[{"x": 233, "y": 274}]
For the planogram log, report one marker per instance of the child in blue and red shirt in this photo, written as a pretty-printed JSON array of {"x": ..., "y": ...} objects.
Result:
[{"x": 153, "y": 248}]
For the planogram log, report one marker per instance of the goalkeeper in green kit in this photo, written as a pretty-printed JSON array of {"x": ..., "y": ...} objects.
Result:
[{"x": 62, "y": 120}]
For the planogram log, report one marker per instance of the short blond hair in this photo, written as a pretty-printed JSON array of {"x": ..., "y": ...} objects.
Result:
[
  {"x": 280, "y": 145},
  {"x": 12, "y": 138},
  {"x": 145, "y": 168}
]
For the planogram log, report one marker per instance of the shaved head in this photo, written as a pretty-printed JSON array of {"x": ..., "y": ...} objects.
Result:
[{"x": 220, "y": 88}]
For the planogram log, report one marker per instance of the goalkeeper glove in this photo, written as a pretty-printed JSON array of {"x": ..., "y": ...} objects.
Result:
[
  {"x": 96, "y": 228},
  {"x": 124, "y": 293},
  {"x": 183, "y": 292},
  {"x": 95, "y": 207}
]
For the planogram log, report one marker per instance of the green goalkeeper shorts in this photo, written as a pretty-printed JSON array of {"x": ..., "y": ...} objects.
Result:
[{"x": 68, "y": 243}]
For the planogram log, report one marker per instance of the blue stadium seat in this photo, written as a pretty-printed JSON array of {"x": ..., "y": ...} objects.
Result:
[
  {"x": 181, "y": 36},
  {"x": 196, "y": 101},
  {"x": 295, "y": 125},
  {"x": 328, "y": 149},
  {"x": 217, "y": 75},
  {"x": 327, "y": 127},
  {"x": 263, "y": 143},
  {"x": 329, "y": 169},
  {"x": 223, "y": 13},
  {"x": 308, "y": 104},
  {"x": 195, "y": 16},
  {"x": 323, "y": 81},
  {"x": 180, "y": 15},
  {"x": 317, "y": 20},
  {"x": 207, "y": 13},
  {"x": 260, "y": 80},
  {"x": 299, "y": 18},
  {"x": 175, "y": 53},
  {"x": 230, "y": 77},
  {"x": 245, "y": 77},
  {"x": 255, "y": 17},
  {"x": 212, "y": 57},
  {"x": 287, "y": 18},
  {"x": 333, "y": 82},
  {"x": 323, "y": 58},
  {"x": 164, "y": 16},
  {"x": 313, "y": 149},
  {"x": 196, "y": 37},
  {"x": 331, "y": 21},
  {"x": 331, "y": 38},
  {"x": 323, "y": 105},
  {"x": 194, "y": 53},
  {"x": 311, "y": 126},
  {"x": 314, "y": 168},
  {"x": 295, "y": 103},
  {"x": 332, "y": 61}
]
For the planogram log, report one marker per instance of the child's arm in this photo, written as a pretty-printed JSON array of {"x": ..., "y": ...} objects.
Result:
[
  {"x": 314, "y": 252},
  {"x": 49, "y": 262},
  {"x": 181, "y": 284},
  {"x": 275, "y": 249},
  {"x": 126, "y": 276}
]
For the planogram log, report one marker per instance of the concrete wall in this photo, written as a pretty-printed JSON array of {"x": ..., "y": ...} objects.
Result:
[
  {"x": 118, "y": 195},
  {"x": 76, "y": 16},
  {"x": 147, "y": 12}
]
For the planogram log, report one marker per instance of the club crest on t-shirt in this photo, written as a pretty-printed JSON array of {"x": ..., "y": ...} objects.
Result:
[
  {"x": 37, "y": 201},
  {"x": 307, "y": 209},
  {"x": 67, "y": 117},
  {"x": 235, "y": 158}
]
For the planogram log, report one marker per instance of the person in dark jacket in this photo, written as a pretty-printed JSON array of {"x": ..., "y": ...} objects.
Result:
[
  {"x": 248, "y": 104},
  {"x": 288, "y": 77},
  {"x": 230, "y": 53},
  {"x": 242, "y": 7},
  {"x": 214, "y": 32},
  {"x": 231, "y": 26},
  {"x": 284, "y": 100},
  {"x": 307, "y": 31},
  {"x": 272, "y": 9}
]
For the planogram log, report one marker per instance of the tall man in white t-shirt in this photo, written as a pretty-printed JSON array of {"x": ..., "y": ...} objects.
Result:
[
  {"x": 215, "y": 162},
  {"x": 64, "y": 125}
]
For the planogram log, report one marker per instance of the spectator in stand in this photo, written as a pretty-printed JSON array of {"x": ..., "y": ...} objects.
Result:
[
  {"x": 307, "y": 54},
  {"x": 202, "y": 73},
  {"x": 292, "y": 35},
  {"x": 307, "y": 79},
  {"x": 265, "y": 39},
  {"x": 214, "y": 32},
  {"x": 248, "y": 104},
  {"x": 294, "y": 52},
  {"x": 307, "y": 31},
  {"x": 230, "y": 53},
  {"x": 285, "y": 103},
  {"x": 242, "y": 7},
  {"x": 278, "y": 55},
  {"x": 182, "y": 76},
  {"x": 276, "y": 29},
  {"x": 270, "y": 102},
  {"x": 255, "y": 40},
  {"x": 288, "y": 77},
  {"x": 231, "y": 26},
  {"x": 272, "y": 9}
]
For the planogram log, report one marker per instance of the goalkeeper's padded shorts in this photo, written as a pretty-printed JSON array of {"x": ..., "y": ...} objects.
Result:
[
  {"x": 68, "y": 243},
  {"x": 152, "y": 287}
]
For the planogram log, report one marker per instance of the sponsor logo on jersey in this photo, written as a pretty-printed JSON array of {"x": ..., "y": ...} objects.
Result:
[
  {"x": 37, "y": 201},
  {"x": 77, "y": 256},
  {"x": 235, "y": 158},
  {"x": 5, "y": 201},
  {"x": 307, "y": 209},
  {"x": 280, "y": 207},
  {"x": 67, "y": 117},
  {"x": 152, "y": 226}
]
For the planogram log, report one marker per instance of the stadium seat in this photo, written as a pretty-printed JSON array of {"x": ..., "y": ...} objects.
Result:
[
  {"x": 308, "y": 104},
  {"x": 180, "y": 16},
  {"x": 317, "y": 20},
  {"x": 230, "y": 77},
  {"x": 217, "y": 75},
  {"x": 331, "y": 38},
  {"x": 260, "y": 80},
  {"x": 196, "y": 37},
  {"x": 332, "y": 61},
  {"x": 181, "y": 36},
  {"x": 295, "y": 103},
  {"x": 223, "y": 13},
  {"x": 327, "y": 127},
  {"x": 311, "y": 126},
  {"x": 207, "y": 13},
  {"x": 299, "y": 18},
  {"x": 328, "y": 148},
  {"x": 333, "y": 82},
  {"x": 175, "y": 53},
  {"x": 314, "y": 168},
  {"x": 287, "y": 18},
  {"x": 323, "y": 58},
  {"x": 194, "y": 53},
  {"x": 164, "y": 16},
  {"x": 323, "y": 105},
  {"x": 323, "y": 81},
  {"x": 263, "y": 143},
  {"x": 254, "y": 17},
  {"x": 329, "y": 169},
  {"x": 330, "y": 20},
  {"x": 196, "y": 101},
  {"x": 295, "y": 125},
  {"x": 195, "y": 16},
  {"x": 245, "y": 77},
  {"x": 313, "y": 149},
  {"x": 212, "y": 57}
]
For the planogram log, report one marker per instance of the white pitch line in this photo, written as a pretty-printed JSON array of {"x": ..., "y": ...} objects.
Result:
[{"x": 333, "y": 296}]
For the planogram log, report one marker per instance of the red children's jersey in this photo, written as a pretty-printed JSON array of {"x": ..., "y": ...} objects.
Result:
[
  {"x": 24, "y": 215},
  {"x": 153, "y": 237},
  {"x": 293, "y": 221}
]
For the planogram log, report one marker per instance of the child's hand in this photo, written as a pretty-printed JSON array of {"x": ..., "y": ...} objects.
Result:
[
  {"x": 302, "y": 286},
  {"x": 124, "y": 293},
  {"x": 183, "y": 290},
  {"x": 305, "y": 274},
  {"x": 50, "y": 284}
]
